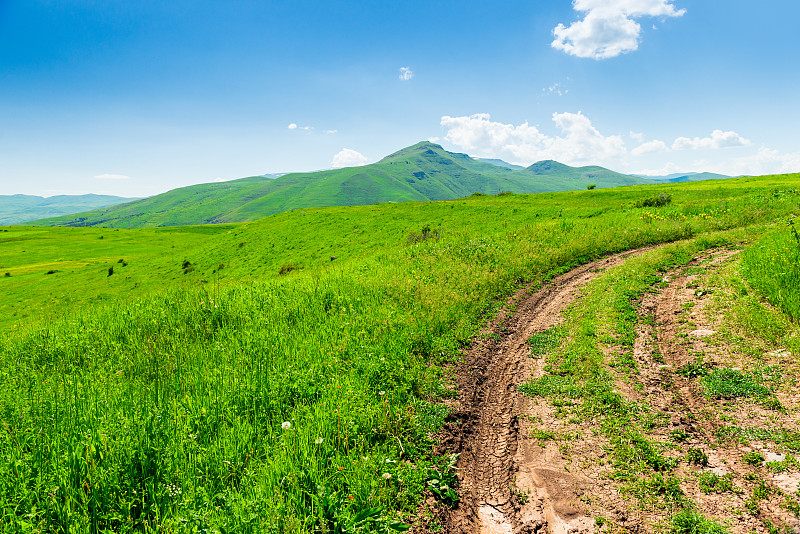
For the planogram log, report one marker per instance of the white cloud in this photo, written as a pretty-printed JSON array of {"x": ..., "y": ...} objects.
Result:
[
  {"x": 765, "y": 161},
  {"x": 608, "y": 28},
  {"x": 718, "y": 139},
  {"x": 331, "y": 132},
  {"x": 580, "y": 141},
  {"x": 650, "y": 146},
  {"x": 294, "y": 126},
  {"x": 112, "y": 177},
  {"x": 406, "y": 73},
  {"x": 348, "y": 157}
]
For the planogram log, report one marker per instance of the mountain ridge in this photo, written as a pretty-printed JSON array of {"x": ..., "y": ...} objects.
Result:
[
  {"x": 16, "y": 209},
  {"x": 421, "y": 172}
]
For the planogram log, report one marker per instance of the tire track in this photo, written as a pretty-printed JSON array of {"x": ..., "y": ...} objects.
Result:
[{"x": 485, "y": 430}]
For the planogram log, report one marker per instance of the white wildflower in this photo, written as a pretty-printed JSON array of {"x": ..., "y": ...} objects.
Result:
[
  {"x": 318, "y": 441},
  {"x": 386, "y": 476},
  {"x": 286, "y": 425}
]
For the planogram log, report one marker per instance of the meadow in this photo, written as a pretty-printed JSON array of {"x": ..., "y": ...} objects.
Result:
[{"x": 286, "y": 375}]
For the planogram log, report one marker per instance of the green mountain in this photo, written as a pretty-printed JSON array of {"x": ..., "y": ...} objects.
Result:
[
  {"x": 556, "y": 176},
  {"x": 15, "y": 209},
  {"x": 424, "y": 171}
]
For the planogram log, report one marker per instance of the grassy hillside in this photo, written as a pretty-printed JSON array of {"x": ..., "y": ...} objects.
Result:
[
  {"x": 198, "y": 388},
  {"x": 15, "y": 209},
  {"x": 423, "y": 171}
]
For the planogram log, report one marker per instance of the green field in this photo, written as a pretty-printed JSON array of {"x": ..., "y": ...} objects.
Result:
[{"x": 286, "y": 374}]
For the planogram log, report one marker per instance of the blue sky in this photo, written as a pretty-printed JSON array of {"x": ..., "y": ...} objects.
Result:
[{"x": 135, "y": 98}]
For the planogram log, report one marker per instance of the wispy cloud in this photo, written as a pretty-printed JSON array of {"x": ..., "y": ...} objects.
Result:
[
  {"x": 555, "y": 90},
  {"x": 406, "y": 73},
  {"x": 294, "y": 126},
  {"x": 609, "y": 27},
  {"x": 112, "y": 177},
  {"x": 347, "y": 157}
]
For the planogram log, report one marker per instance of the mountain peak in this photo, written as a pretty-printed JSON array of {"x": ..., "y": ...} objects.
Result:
[
  {"x": 418, "y": 148},
  {"x": 547, "y": 166}
]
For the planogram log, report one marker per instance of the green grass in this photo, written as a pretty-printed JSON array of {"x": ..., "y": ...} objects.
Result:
[
  {"x": 713, "y": 483},
  {"x": 728, "y": 383},
  {"x": 693, "y": 522},
  {"x": 155, "y": 399},
  {"x": 545, "y": 342},
  {"x": 772, "y": 266},
  {"x": 697, "y": 457}
]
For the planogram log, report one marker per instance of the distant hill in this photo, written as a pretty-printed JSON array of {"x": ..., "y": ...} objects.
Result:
[
  {"x": 685, "y": 177},
  {"x": 424, "y": 171},
  {"x": 500, "y": 163},
  {"x": 15, "y": 209},
  {"x": 559, "y": 177}
]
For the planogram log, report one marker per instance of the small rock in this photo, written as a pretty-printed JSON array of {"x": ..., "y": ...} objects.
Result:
[
  {"x": 773, "y": 457},
  {"x": 719, "y": 470},
  {"x": 780, "y": 353},
  {"x": 701, "y": 333}
]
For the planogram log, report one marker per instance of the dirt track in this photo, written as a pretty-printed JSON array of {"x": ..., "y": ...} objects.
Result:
[
  {"x": 510, "y": 483},
  {"x": 496, "y": 454}
]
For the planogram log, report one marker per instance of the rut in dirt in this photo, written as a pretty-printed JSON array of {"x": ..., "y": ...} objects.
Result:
[{"x": 484, "y": 429}]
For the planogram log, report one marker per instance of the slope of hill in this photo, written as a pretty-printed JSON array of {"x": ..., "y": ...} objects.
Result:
[
  {"x": 424, "y": 171},
  {"x": 15, "y": 209}
]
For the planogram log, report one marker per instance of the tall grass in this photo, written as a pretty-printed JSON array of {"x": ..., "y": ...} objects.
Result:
[{"x": 772, "y": 265}]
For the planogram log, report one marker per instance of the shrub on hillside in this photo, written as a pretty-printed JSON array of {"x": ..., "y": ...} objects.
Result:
[
  {"x": 289, "y": 267},
  {"x": 425, "y": 234},
  {"x": 655, "y": 201},
  {"x": 187, "y": 266}
]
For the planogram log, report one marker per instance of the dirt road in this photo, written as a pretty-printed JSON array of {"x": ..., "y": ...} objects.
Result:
[
  {"x": 512, "y": 482},
  {"x": 496, "y": 455}
]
